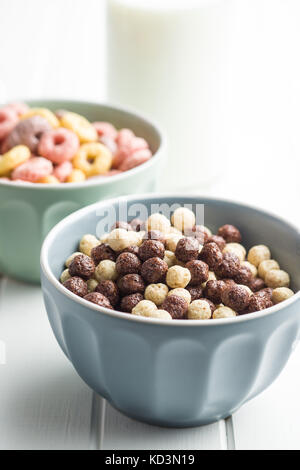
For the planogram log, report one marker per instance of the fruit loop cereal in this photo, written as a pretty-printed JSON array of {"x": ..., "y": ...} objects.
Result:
[
  {"x": 199, "y": 276},
  {"x": 40, "y": 146}
]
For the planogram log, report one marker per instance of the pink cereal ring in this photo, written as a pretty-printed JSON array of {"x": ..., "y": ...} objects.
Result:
[
  {"x": 33, "y": 170},
  {"x": 138, "y": 143},
  {"x": 8, "y": 120},
  {"x": 62, "y": 171},
  {"x": 105, "y": 129},
  {"x": 19, "y": 108},
  {"x": 58, "y": 145},
  {"x": 135, "y": 159},
  {"x": 124, "y": 141},
  {"x": 109, "y": 143}
]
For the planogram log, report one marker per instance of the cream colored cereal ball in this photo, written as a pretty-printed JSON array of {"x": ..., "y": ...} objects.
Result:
[
  {"x": 277, "y": 278},
  {"x": 160, "y": 314},
  {"x": 177, "y": 276},
  {"x": 183, "y": 219},
  {"x": 106, "y": 270},
  {"x": 156, "y": 293},
  {"x": 246, "y": 288},
  {"x": 250, "y": 266},
  {"x": 65, "y": 275},
  {"x": 237, "y": 249},
  {"x": 158, "y": 222},
  {"x": 171, "y": 241},
  {"x": 87, "y": 243},
  {"x": 223, "y": 312},
  {"x": 71, "y": 257},
  {"x": 136, "y": 238},
  {"x": 170, "y": 258},
  {"x": 257, "y": 254},
  {"x": 92, "y": 284},
  {"x": 175, "y": 231},
  {"x": 183, "y": 293},
  {"x": 266, "y": 266},
  {"x": 199, "y": 310},
  {"x": 104, "y": 238},
  {"x": 119, "y": 239},
  {"x": 280, "y": 294},
  {"x": 211, "y": 277},
  {"x": 144, "y": 308}
]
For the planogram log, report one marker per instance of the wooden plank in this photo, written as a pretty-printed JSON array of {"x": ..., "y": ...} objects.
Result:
[{"x": 44, "y": 404}]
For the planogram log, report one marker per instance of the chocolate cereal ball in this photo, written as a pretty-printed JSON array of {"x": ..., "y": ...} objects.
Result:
[
  {"x": 235, "y": 297},
  {"x": 130, "y": 301},
  {"x": 196, "y": 292},
  {"x": 213, "y": 291},
  {"x": 229, "y": 266},
  {"x": 82, "y": 266},
  {"x": 131, "y": 249},
  {"x": 131, "y": 284},
  {"x": 154, "y": 270},
  {"x": 258, "y": 303},
  {"x": 76, "y": 285},
  {"x": 128, "y": 263},
  {"x": 243, "y": 276},
  {"x": 121, "y": 224},
  {"x": 265, "y": 293},
  {"x": 199, "y": 272},
  {"x": 230, "y": 233},
  {"x": 200, "y": 233},
  {"x": 256, "y": 284},
  {"x": 98, "y": 299},
  {"x": 211, "y": 255},
  {"x": 218, "y": 240},
  {"x": 155, "y": 235},
  {"x": 110, "y": 290},
  {"x": 187, "y": 249},
  {"x": 102, "y": 252},
  {"x": 151, "y": 249},
  {"x": 176, "y": 306}
]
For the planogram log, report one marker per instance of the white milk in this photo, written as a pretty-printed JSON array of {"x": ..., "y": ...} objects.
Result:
[{"x": 166, "y": 58}]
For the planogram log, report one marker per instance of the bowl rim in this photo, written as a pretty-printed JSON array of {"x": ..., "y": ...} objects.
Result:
[
  {"x": 91, "y": 182},
  {"x": 148, "y": 320}
]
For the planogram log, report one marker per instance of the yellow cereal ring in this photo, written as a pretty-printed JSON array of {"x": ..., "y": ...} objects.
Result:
[
  {"x": 93, "y": 159},
  {"x": 15, "y": 157},
  {"x": 76, "y": 176},
  {"x": 85, "y": 131},
  {"x": 44, "y": 113},
  {"x": 50, "y": 179}
]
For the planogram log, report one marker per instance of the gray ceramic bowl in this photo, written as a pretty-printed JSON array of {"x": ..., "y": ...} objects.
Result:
[
  {"x": 178, "y": 373},
  {"x": 29, "y": 211}
]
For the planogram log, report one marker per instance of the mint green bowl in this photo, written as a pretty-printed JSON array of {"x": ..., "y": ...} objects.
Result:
[{"x": 29, "y": 211}]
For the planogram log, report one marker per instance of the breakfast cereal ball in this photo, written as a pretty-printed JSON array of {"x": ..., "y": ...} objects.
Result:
[
  {"x": 258, "y": 303},
  {"x": 199, "y": 310},
  {"x": 161, "y": 314},
  {"x": 246, "y": 288},
  {"x": 119, "y": 239},
  {"x": 198, "y": 270},
  {"x": 237, "y": 249},
  {"x": 277, "y": 278},
  {"x": 175, "y": 230},
  {"x": 187, "y": 249},
  {"x": 251, "y": 266},
  {"x": 65, "y": 275},
  {"x": 71, "y": 257},
  {"x": 210, "y": 303},
  {"x": 122, "y": 224},
  {"x": 102, "y": 252},
  {"x": 128, "y": 263},
  {"x": 106, "y": 270},
  {"x": 87, "y": 243},
  {"x": 265, "y": 294},
  {"x": 235, "y": 297},
  {"x": 171, "y": 241},
  {"x": 144, "y": 308},
  {"x": 82, "y": 266},
  {"x": 136, "y": 238},
  {"x": 104, "y": 238},
  {"x": 218, "y": 240},
  {"x": 98, "y": 299},
  {"x": 130, "y": 301},
  {"x": 154, "y": 270},
  {"x": 110, "y": 290},
  {"x": 223, "y": 312},
  {"x": 213, "y": 290},
  {"x": 230, "y": 233},
  {"x": 256, "y": 284},
  {"x": 243, "y": 276},
  {"x": 155, "y": 235},
  {"x": 199, "y": 232},
  {"x": 229, "y": 266},
  {"x": 151, "y": 249},
  {"x": 92, "y": 284},
  {"x": 183, "y": 219},
  {"x": 156, "y": 293},
  {"x": 158, "y": 222},
  {"x": 211, "y": 255},
  {"x": 180, "y": 292},
  {"x": 280, "y": 294},
  {"x": 170, "y": 258},
  {"x": 136, "y": 224},
  {"x": 131, "y": 249},
  {"x": 211, "y": 277},
  {"x": 176, "y": 306},
  {"x": 76, "y": 285},
  {"x": 177, "y": 276},
  {"x": 257, "y": 254},
  {"x": 131, "y": 284},
  {"x": 195, "y": 292},
  {"x": 266, "y": 266}
]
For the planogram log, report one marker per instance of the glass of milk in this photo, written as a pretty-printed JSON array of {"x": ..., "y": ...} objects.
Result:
[{"x": 167, "y": 58}]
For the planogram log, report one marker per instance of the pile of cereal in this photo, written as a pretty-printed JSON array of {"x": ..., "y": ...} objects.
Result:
[
  {"x": 175, "y": 270},
  {"x": 39, "y": 146}
]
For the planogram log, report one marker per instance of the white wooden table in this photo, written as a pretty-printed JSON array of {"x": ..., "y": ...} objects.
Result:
[{"x": 43, "y": 402}]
